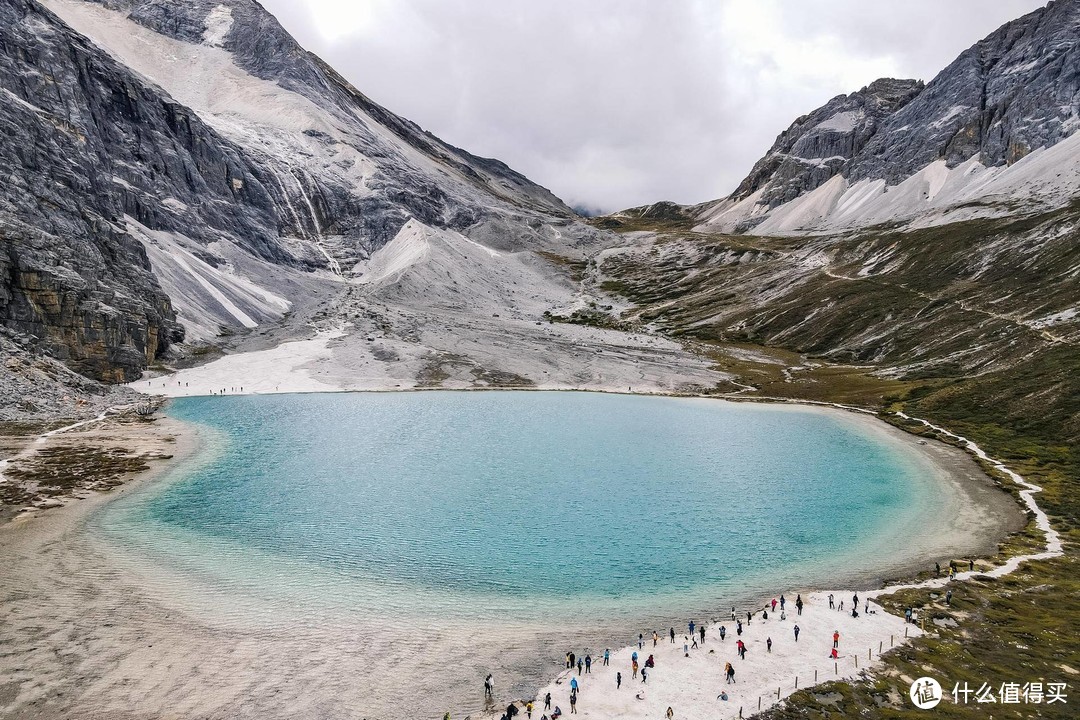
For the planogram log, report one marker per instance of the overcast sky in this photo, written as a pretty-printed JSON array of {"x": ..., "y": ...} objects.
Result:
[{"x": 617, "y": 103}]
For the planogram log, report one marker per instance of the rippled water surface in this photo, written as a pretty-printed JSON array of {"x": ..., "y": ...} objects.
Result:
[{"x": 514, "y": 506}]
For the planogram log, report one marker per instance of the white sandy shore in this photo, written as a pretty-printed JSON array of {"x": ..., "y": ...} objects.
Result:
[{"x": 690, "y": 685}]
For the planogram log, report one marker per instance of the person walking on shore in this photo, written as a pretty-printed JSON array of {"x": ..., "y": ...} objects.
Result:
[
  {"x": 832, "y": 605},
  {"x": 738, "y": 627},
  {"x": 572, "y": 659},
  {"x": 691, "y": 626},
  {"x": 798, "y": 604},
  {"x": 588, "y": 664},
  {"x": 855, "y": 600},
  {"x": 774, "y": 604},
  {"x": 723, "y": 633},
  {"x": 655, "y": 638},
  {"x": 937, "y": 569},
  {"x": 685, "y": 648},
  {"x": 569, "y": 664},
  {"x": 640, "y": 640},
  {"x": 948, "y": 598},
  {"x": 782, "y": 602},
  {"x": 573, "y": 703},
  {"x": 633, "y": 667},
  {"x": 732, "y": 613},
  {"x": 729, "y": 673},
  {"x": 672, "y": 632},
  {"x": 618, "y": 680},
  {"x": 701, "y": 631},
  {"x": 488, "y": 686},
  {"x": 607, "y": 655},
  {"x": 528, "y": 709},
  {"x": 836, "y": 638},
  {"x": 573, "y": 686},
  {"x": 742, "y": 650},
  {"x": 797, "y": 633},
  {"x": 749, "y": 617},
  {"x": 670, "y": 713},
  {"x": 644, "y": 674},
  {"x": 768, "y": 643},
  {"x": 580, "y": 664},
  {"x": 547, "y": 701}
]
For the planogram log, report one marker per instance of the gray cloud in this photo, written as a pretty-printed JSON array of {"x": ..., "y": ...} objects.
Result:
[{"x": 615, "y": 103}]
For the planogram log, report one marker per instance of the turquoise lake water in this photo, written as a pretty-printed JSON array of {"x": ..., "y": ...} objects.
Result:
[{"x": 514, "y": 506}]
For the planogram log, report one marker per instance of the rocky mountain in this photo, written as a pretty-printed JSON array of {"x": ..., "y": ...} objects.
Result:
[
  {"x": 183, "y": 170},
  {"x": 995, "y": 127}
]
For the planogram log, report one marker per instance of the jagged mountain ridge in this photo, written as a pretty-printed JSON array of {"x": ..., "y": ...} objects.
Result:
[
  {"x": 188, "y": 166},
  {"x": 989, "y": 128}
]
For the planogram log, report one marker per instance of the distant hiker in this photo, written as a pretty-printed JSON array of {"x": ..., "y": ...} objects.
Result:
[
  {"x": 572, "y": 657},
  {"x": 855, "y": 611},
  {"x": 569, "y": 664},
  {"x": 588, "y": 664},
  {"x": 701, "y": 631},
  {"x": 573, "y": 703},
  {"x": 650, "y": 662},
  {"x": 907, "y": 615},
  {"x": 836, "y": 638},
  {"x": 937, "y": 569},
  {"x": 765, "y": 613},
  {"x": 834, "y": 655},
  {"x": 686, "y": 649},
  {"x": 618, "y": 680},
  {"x": 855, "y": 599},
  {"x": 670, "y": 713},
  {"x": 655, "y": 638},
  {"x": 672, "y": 634},
  {"x": 749, "y": 617},
  {"x": 693, "y": 642},
  {"x": 832, "y": 605},
  {"x": 528, "y": 709},
  {"x": 547, "y": 701},
  {"x": 722, "y": 696},
  {"x": 768, "y": 643},
  {"x": 640, "y": 640},
  {"x": 732, "y": 613},
  {"x": 738, "y": 627},
  {"x": 634, "y": 656},
  {"x": 782, "y": 601},
  {"x": 580, "y": 664},
  {"x": 723, "y": 633},
  {"x": 691, "y": 626},
  {"x": 971, "y": 565},
  {"x": 487, "y": 686},
  {"x": 948, "y": 598},
  {"x": 798, "y": 604},
  {"x": 511, "y": 710},
  {"x": 607, "y": 655},
  {"x": 797, "y": 633},
  {"x": 729, "y": 673},
  {"x": 633, "y": 666},
  {"x": 774, "y": 604},
  {"x": 573, "y": 685},
  {"x": 644, "y": 675}
]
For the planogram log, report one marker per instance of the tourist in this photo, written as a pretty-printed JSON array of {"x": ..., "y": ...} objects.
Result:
[
  {"x": 765, "y": 613},
  {"x": 855, "y": 611},
  {"x": 768, "y": 643},
  {"x": 723, "y": 633},
  {"x": 685, "y": 649},
  {"x": 691, "y": 626},
  {"x": 672, "y": 635},
  {"x": 782, "y": 602},
  {"x": 832, "y": 605},
  {"x": 907, "y": 615},
  {"x": 650, "y": 662},
  {"x": 948, "y": 598},
  {"x": 569, "y": 663},
  {"x": 511, "y": 711},
  {"x": 693, "y": 643},
  {"x": 607, "y": 655},
  {"x": 640, "y": 640},
  {"x": 748, "y": 617},
  {"x": 729, "y": 672},
  {"x": 855, "y": 600},
  {"x": 797, "y": 633},
  {"x": 655, "y": 638},
  {"x": 738, "y": 627},
  {"x": 670, "y": 713},
  {"x": 588, "y": 664},
  {"x": 937, "y": 569},
  {"x": 835, "y": 654},
  {"x": 618, "y": 680},
  {"x": 836, "y": 638},
  {"x": 701, "y": 631},
  {"x": 971, "y": 565},
  {"x": 556, "y": 713},
  {"x": 774, "y": 604},
  {"x": 644, "y": 675},
  {"x": 783, "y": 615},
  {"x": 841, "y": 608},
  {"x": 528, "y": 709},
  {"x": 572, "y": 657},
  {"x": 488, "y": 686},
  {"x": 547, "y": 701},
  {"x": 446, "y": 715},
  {"x": 798, "y": 604},
  {"x": 573, "y": 703},
  {"x": 634, "y": 656},
  {"x": 722, "y": 696},
  {"x": 633, "y": 666},
  {"x": 573, "y": 685},
  {"x": 732, "y": 613}
]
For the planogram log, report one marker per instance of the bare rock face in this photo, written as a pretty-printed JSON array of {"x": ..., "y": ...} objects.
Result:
[
  {"x": 1015, "y": 91},
  {"x": 103, "y": 164},
  {"x": 819, "y": 145}
]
